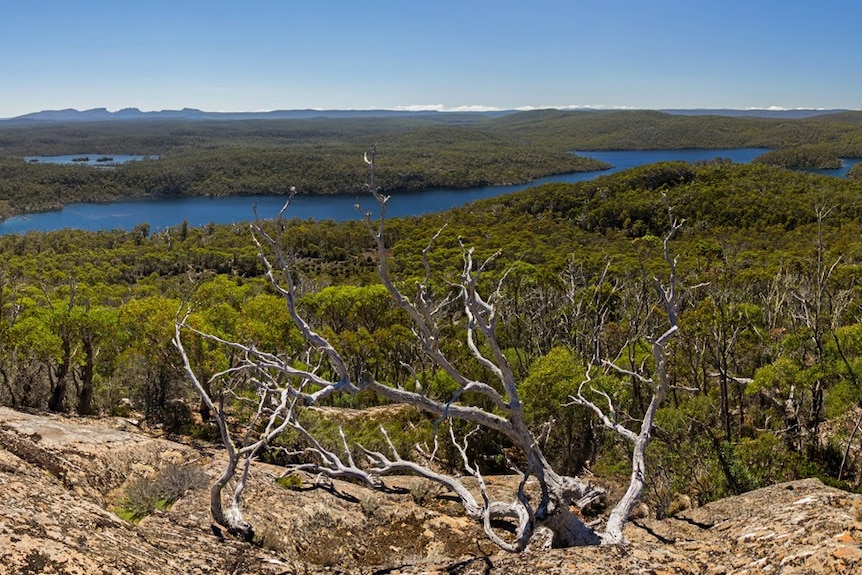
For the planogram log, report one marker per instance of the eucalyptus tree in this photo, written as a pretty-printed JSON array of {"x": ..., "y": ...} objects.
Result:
[
  {"x": 284, "y": 385},
  {"x": 600, "y": 402},
  {"x": 148, "y": 362},
  {"x": 96, "y": 328},
  {"x": 17, "y": 367},
  {"x": 812, "y": 296}
]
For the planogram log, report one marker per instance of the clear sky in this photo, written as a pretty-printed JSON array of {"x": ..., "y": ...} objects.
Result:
[{"x": 247, "y": 55}]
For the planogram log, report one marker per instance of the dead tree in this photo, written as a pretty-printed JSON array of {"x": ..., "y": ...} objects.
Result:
[
  {"x": 285, "y": 385},
  {"x": 608, "y": 413}
]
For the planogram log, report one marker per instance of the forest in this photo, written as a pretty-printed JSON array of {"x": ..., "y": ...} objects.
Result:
[
  {"x": 766, "y": 366},
  {"x": 317, "y": 156},
  {"x": 764, "y": 370}
]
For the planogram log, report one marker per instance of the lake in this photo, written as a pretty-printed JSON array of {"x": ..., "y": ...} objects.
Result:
[
  {"x": 161, "y": 213},
  {"x": 846, "y": 164},
  {"x": 88, "y": 159}
]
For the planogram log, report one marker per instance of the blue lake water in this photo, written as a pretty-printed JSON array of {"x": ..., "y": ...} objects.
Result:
[
  {"x": 161, "y": 213},
  {"x": 846, "y": 164},
  {"x": 88, "y": 159}
]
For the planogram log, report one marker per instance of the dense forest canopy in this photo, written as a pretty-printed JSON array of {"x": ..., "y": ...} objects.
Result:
[
  {"x": 207, "y": 157},
  {"x": 650, "y": 130},
  {"x": 236, "y": 158},
  {"x": 764, "y": 371},
  {"x": 767, "y": 360}
]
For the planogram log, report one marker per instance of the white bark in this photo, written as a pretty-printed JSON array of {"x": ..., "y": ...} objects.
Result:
[
  {"x": 283, "y": 386},
  {"x": 613, "y": 532},
  {"x": 275, "y": 409},
  {"x": 232, "y": 518}
]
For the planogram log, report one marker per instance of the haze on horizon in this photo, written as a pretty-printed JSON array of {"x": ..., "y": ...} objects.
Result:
[{"x": 217, "y": 55}]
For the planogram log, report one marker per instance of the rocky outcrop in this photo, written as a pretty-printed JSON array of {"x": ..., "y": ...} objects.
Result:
[
  {"x": 60, "y": 477},
  {"x": 57, "y": 480}
]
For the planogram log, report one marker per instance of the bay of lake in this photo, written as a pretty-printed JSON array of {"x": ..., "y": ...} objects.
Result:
[
  {"x": 161, "y": 213},
  {"x": 88, "y": 159}
]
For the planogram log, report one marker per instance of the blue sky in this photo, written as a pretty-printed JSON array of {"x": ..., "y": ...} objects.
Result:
[{"x": 246, "y": 55}]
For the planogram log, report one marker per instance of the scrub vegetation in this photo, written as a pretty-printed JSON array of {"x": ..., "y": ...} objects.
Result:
[
  {"x": 760, "y": 379},
  {"x": 317, "y": 156}
]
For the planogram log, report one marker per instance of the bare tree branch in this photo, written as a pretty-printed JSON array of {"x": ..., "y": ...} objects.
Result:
[
  {"x": 285, "y": 386},
  {"x": 668, "y": 298}
]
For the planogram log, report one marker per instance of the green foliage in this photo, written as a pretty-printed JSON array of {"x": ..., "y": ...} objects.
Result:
[
  {"x": 149, "y": 362},
  {"x": 292, "y": 481},
  {"x": 781, "y": 376},
  {"x": 842, "y": 397},
  {"x": 578, "y": 261},
  {"x": 143, "y": 496},
  {"x": 683, "y": 458},
  {"x": 810, "y": 156},
  {"x": 350, "y": 307},
  {"x": 545, "y": 391},
  {"x": 765, "y": 460}
]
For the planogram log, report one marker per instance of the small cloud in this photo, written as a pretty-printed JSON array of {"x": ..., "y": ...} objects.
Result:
[
  {"x": 475, "y": 109},
  {"x": 420, "y": 108},
  {"x": 576, "y": 107},
  {"x": 783, "y": 109},
  {"x": 442, "y": 108}
]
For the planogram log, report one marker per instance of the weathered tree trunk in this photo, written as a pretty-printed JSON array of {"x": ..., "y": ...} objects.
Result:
[
  {"x": 231, "y": 518},
  {"x": 613, "y": 534},
  {"x": 58, "y": 390},
  {"x": 10, "y": 388},
  {"x": 85, "y": 396}
]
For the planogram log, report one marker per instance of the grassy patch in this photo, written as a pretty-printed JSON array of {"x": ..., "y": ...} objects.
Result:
[
  {"x": 292, "y": 481},
  {"x": 144, "y": 496}
]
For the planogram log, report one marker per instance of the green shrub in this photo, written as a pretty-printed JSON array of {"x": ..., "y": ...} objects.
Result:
[
  {"x": 552, "y": 379},
  {"x": 765, "y": 460},
  {"x": 207, "y": 431},
  {"x": 175, "y": 480},
  {"x": 292, "y": 481},
  {"x": 841, "y": 397},
  {"x": 143, "y": 496},
  {"x": 424, "y": 491}
]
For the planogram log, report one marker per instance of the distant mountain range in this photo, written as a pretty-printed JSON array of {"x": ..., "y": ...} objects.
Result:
[{"x": 102, "y": 114}]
